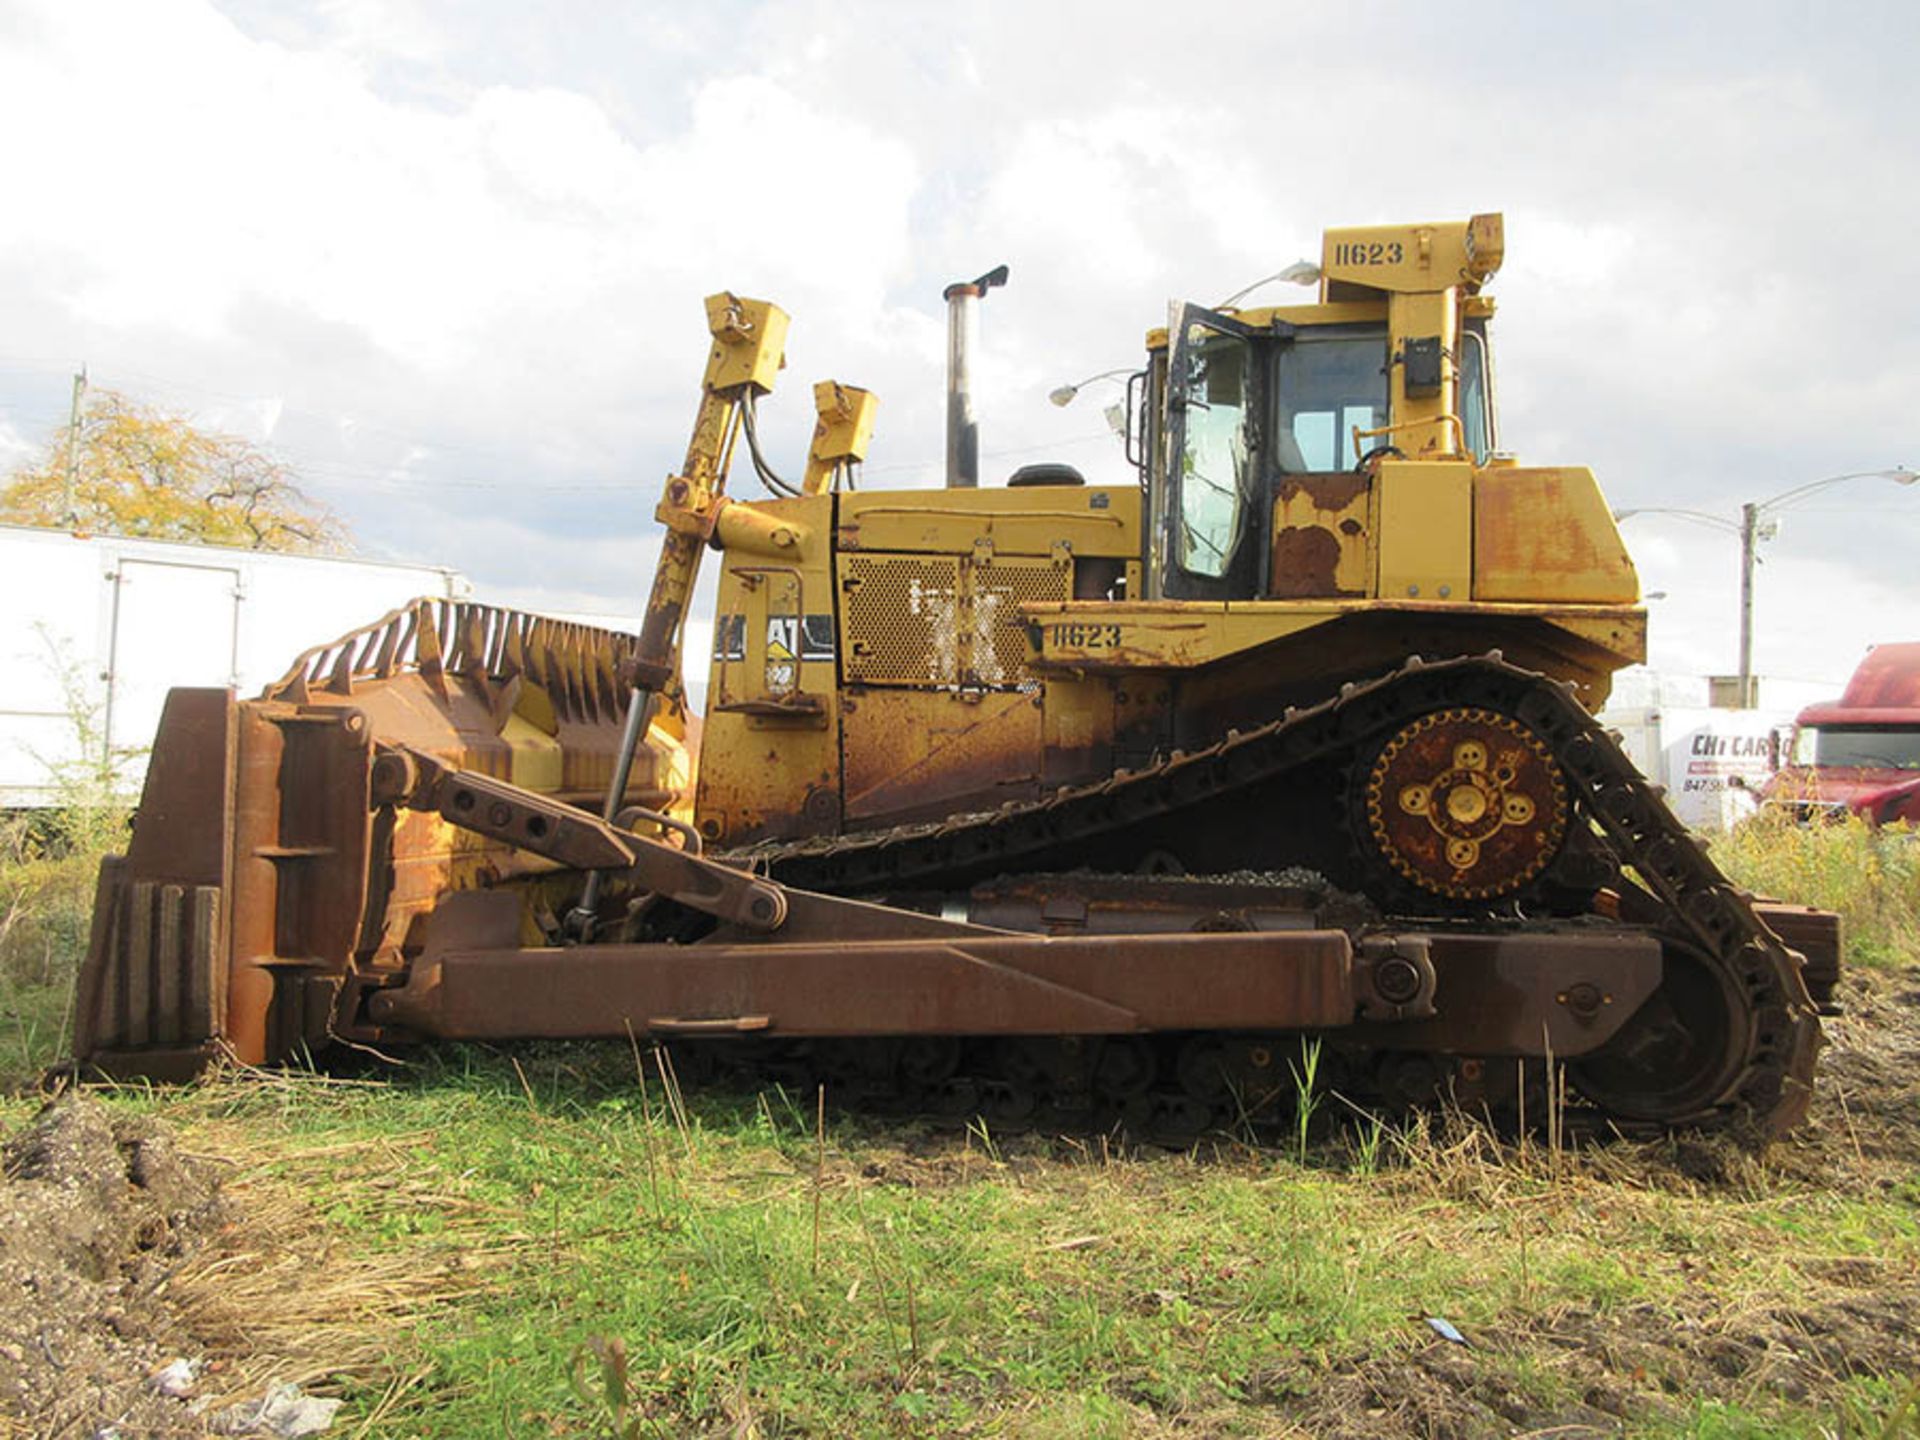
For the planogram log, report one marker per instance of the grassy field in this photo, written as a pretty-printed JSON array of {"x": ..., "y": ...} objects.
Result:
[{"x": 543, "y": 1242}]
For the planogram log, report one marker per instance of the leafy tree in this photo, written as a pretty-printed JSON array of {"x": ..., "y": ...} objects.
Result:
[{"x": 137, "y": 471}]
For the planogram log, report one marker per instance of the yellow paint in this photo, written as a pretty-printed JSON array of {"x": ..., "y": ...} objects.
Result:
[
  {"x": 1191, "y": 634},
  {"x": 536, "y": 757},
  {"x": 912, "y": 753},
  {"x": 1090, "y": 520},
  {"x": 673, "y": 765},
  {"x": 771, "y": 530},
  {"x": 534, "y": 705},
  {"x": 1547, "y": 534},
  {"x": 1422, "y": 427},
  {"x": 1466, "y": 804},
  {"x": 1404, "y": 259},
  {"x": 749, "y": 342},
  {"x": 1424, "y": 527},
  {"x": 841, "y": 432},
  {"x": 757, "y": 769},
  {"x": 1346, "y": 312},
  {"x": 1614, "y": 629}
]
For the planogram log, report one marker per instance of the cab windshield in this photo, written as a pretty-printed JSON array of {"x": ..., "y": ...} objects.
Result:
[
  {"x": 1864, "y": 747},
  {"x": 1329, "y": 385}
]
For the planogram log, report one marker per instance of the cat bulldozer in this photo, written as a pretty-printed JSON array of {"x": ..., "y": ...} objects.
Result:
[{"x": 1047, "y": 802}]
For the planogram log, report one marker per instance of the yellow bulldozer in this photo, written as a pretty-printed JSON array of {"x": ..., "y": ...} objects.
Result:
[{"x": 1045, "y": 801}]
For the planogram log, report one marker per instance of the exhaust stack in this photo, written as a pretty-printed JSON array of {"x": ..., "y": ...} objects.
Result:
[{"x": 963, "y": 333}]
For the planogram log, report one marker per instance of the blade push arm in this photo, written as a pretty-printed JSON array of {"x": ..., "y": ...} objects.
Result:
[
  {"x": 534, "y": 822},
  {"x": 749, "y": 347},
  {"x": 537, "y": 823},
  {"x": 749, "y": 344}
]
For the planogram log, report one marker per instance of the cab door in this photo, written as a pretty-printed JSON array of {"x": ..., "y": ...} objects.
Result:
[{"x": 1206, "y": 535}]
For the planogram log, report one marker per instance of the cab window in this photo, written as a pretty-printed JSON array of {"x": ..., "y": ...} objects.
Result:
[
  {"x": 1475, "y": 413},
  {"x": 1327, "y": 387},
  {"x": 1214, "y": 462}
]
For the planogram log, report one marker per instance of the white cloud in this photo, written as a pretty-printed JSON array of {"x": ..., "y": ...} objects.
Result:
[
  {"x": 242, "y": 170},
  {"x": 385, "y": 29}
]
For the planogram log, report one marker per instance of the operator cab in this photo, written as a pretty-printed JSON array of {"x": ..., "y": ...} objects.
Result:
[{"x": 1264, "y": 428}]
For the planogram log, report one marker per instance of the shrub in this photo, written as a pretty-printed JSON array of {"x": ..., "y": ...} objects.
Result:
[
  {"x": 48, "y": 861},
  {"x": 1871, "y": 876}
]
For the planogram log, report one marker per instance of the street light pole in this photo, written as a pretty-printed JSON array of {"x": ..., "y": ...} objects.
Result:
[
  {"x": 1749, "y": 532},
  {"x": 1749, "y": 536},
  {"x": 1063, "y": 394}
]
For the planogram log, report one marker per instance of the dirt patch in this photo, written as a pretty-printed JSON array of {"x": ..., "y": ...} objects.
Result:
[
  {"x": 1868, "y": 1100},
  {"x": 1578, "y": 1372},
  {"x": 1440, "y": 1391},
  {"x": 97, "y": 1213}
]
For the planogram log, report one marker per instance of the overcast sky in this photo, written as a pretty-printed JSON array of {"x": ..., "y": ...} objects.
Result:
[{"x": 448, "y": 259}]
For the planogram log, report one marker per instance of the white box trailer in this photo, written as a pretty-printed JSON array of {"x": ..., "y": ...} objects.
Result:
[
  {"x": 1712, "y": 762},
  {"x": 94, "y": 630}
]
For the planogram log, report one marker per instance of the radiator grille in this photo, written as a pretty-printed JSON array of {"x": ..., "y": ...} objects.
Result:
[
  {"x": 902, "y": 619},
  {"x": 940, "y": 621},
  {"x": 1000, "y": 638}
]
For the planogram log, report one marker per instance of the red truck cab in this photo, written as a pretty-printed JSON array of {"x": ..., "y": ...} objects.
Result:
[{"x": 1861, "y": 753}]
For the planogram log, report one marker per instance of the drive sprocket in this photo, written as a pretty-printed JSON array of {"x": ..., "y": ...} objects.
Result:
[{"x": 1465, "y": 803}]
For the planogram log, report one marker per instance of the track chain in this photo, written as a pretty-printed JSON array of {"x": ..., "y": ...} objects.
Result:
[{"x": 1772, "y": 1085}]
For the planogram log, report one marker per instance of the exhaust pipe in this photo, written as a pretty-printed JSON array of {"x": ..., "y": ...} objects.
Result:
[{"x": 963, "y": 333}]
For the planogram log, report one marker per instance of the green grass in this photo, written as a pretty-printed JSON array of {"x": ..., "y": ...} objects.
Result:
[
  {"x": 1046, "y": 1291},
  {"x": 49, "y": 859},
  {"x": 923, "y": 1303}
]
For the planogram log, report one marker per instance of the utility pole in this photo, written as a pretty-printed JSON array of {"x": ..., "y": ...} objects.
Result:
[
  {"x": 67, "y": 514},
  {"x": 1749, "y": 536}
]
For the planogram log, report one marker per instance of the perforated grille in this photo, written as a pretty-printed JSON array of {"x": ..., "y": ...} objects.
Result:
[
  {"x": 902, "y": 619},
  {"x": 940, "y": 621},
  {"x": 1000, "y": 639}
]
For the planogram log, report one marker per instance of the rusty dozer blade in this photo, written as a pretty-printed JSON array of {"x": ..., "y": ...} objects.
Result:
[{"x": 263, "y": 883}]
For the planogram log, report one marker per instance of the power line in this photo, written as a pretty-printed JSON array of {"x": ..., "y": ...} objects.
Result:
[
  {"x": 325, "y": 469},
  {"x": 988, "y": 454},
  {"x": 328, "y": 470},
  {"x": 45, "y": 420},
  {"x": 1911, "y": 512},
  {"x": 115, "y": 374}
]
